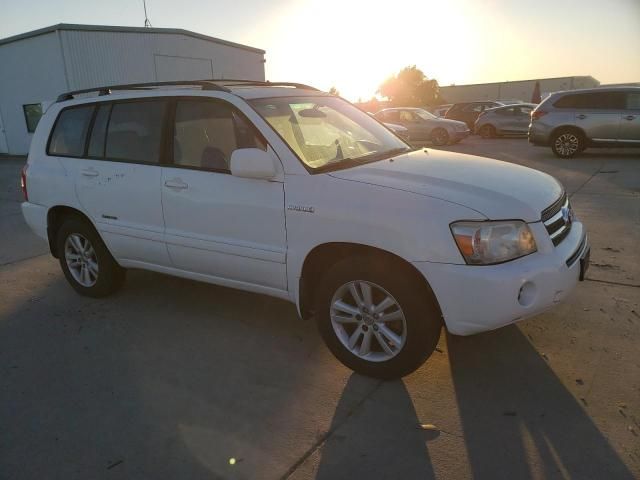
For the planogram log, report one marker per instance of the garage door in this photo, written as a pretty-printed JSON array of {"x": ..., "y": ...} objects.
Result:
[{"x": 169, "y": 68}]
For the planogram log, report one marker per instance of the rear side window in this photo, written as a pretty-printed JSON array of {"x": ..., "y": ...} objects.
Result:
[
  {"x": 70, "y": 132},
  {"x": 135, "y": 131},
  {"x": 206, "y": 133},
  {"x": 595, "y": 100}
]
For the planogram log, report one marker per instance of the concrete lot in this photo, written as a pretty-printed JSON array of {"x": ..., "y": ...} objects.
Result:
[{"x": 171, "y": 379}]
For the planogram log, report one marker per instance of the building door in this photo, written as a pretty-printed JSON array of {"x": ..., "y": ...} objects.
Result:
[{"x": 4, "y": 146}]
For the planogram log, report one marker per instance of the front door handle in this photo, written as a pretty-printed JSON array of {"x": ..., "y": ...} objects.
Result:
[
  {"x": 176, "y": 183},
  {"x": 89, "y": 172},
  {"x": 582, "y": 116},
  {"x": 629, "y": 117}
]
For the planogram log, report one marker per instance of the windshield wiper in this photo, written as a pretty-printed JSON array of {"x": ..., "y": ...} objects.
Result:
[{"x": 368, "y": 158}]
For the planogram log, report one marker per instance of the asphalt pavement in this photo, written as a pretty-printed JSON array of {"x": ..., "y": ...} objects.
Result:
[{"x": 170, "y": 378}]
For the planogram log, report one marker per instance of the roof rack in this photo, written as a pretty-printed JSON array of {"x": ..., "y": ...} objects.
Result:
[
  {"x": 106, "y": 90},
  {"x": 218, "y": 84},
  {"x": 251, "y": 83}
]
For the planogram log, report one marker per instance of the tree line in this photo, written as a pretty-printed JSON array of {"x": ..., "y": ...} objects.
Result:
[{"x": 410, "y": 87}]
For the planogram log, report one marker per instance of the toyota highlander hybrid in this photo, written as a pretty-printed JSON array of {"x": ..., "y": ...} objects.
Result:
[{"x": 284, "y": 190}]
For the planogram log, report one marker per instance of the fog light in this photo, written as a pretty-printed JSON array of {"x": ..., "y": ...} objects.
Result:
[{"x": 527, "y": 294}]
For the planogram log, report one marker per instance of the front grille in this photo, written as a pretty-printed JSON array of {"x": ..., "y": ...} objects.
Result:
[{"x": 557, "y": 219}]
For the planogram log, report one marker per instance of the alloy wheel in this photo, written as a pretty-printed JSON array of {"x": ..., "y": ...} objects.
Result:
[
  {"x": 81, "y": 259},
  {"x": 368, "y": 321},
  {"x": 567, "y": 144}
]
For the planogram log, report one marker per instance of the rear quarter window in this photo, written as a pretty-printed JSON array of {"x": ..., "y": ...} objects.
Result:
[{"x": 69, "y": 134}]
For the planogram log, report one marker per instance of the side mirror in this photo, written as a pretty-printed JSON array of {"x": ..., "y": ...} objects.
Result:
[{"x": 253, "y": 163}]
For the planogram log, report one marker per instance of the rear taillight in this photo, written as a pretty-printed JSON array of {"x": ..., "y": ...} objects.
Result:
[
  {"x": 536, "y": 114},
  {"x": 23, "y": 182}
]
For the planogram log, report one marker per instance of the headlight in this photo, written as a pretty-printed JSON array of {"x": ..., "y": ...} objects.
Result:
[{"x": 486, "y": 243}]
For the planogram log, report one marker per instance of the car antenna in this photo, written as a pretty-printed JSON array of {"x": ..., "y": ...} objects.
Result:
[{"x": 147, "y": 22}]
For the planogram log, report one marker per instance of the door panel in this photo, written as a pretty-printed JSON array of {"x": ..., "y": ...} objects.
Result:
[
  {"x": 123, "y": 200},
  {"x": 217, "y": 224},
  {"x": 630, "y": 120},
  {"x": 225, "y": 226},
  {"x": 599, "y": 125}
]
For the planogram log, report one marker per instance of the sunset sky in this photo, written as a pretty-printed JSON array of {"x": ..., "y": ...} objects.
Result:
[{"x": 354, "y": 45}]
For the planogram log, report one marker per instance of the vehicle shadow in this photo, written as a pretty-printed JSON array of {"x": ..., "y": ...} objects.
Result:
[
  {"x": 380, "y": 438},
  {"x": 518, "y": 419}
]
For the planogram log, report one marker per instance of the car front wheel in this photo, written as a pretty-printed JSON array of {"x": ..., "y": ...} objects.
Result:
[
  {"x": 440, "y": 136},
  {"x": 375, "y": 319}
]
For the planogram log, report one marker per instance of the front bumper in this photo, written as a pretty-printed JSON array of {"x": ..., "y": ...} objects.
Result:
[
  {"x": 457, "y": 136},
  {"x": 474, "y": 299}
]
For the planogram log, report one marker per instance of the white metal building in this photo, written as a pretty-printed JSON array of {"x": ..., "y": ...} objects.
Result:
[
  {"x": 35, "y": 67},
  {"x": 516, "y": 90}
]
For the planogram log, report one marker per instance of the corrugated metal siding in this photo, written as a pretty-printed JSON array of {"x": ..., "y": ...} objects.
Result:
[
  {"x": 517, "y": 90},
  {"x": 31, "y": 71},
  {"x": 104, "y": 58}
]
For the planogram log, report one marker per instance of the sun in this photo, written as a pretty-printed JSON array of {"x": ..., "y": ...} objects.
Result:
[{"x": 354, "y": 46}]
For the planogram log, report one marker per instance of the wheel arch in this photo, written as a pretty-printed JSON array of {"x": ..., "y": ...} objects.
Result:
[
  {"x": 55, "y": 218},
  {"x": 568, "y": 127},
  {"x": 319, "y": 259}
]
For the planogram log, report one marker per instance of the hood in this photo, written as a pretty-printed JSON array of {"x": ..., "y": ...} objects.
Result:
[{"x": 498, "y": 190}]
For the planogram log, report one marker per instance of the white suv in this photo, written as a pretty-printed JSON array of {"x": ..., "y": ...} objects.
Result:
[{"x": 284, "y": 190}]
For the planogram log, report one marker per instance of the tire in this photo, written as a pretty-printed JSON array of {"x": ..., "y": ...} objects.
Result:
[
  {"x": 85, "y": 260},
  {"x": 439, "y": 136},
  {"x": 414, "y": 317},
  {"x": 487, "y": 131},
  {"x": 567, "y": 143}
]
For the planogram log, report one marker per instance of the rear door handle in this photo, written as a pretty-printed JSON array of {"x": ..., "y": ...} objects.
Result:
[
  {"x": 582, "y": 116},
  {"x": 629, "y": 117},
  {"x": 176, "y": 183},
  {"x": 89, "y": 172}
]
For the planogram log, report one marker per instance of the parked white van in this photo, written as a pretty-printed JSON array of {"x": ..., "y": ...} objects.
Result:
[{"x": 287, "y": 191}]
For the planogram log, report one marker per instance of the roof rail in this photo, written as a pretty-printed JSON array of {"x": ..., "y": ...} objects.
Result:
[
  {"x": 237, "y": 83},
  {"x": 219, "y": 84},
  {"x": 106, "y": 90}
]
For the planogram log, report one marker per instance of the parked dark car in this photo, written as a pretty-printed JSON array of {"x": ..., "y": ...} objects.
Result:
[
  {"x": 571, "y": 121},
  {"x": 507, "y": 120},
  {"x": 468, "y": 112}
]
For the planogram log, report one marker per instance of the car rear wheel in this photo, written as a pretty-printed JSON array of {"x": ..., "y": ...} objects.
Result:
[
  {"x": 375, "y": 320},
  {"x": 439, "y": 136},
  {"x": 487, "y": 131},
  {"x": 567, "y": 143},
  {"x": 86, "y": 263}
]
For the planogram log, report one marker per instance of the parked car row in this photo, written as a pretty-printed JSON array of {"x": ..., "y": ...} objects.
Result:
[{"x": 568, "y": 121}]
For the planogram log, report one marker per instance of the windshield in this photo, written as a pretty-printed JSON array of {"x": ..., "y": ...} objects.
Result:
[
  {"x": 423, "y": 114},
  {"x": 328, "y": 132}
]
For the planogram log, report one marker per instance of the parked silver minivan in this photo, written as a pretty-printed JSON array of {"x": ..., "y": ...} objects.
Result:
[{"x": 571, "y": 121}]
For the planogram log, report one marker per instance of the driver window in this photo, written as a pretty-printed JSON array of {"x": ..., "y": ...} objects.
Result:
[{"x": 206, "y": 133}]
